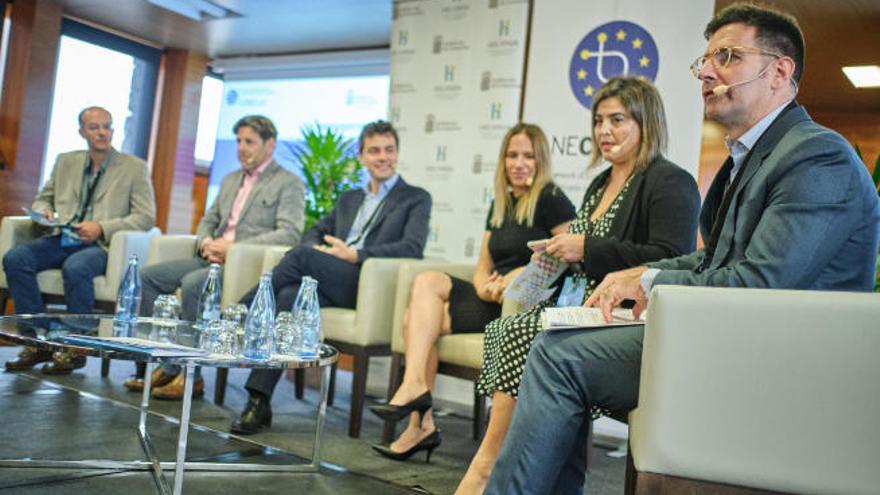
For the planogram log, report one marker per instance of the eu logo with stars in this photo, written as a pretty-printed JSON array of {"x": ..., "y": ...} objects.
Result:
[{"x": 617, "y": 48}]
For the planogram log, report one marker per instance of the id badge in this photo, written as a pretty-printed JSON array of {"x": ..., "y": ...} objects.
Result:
[{"x": 573, "y": 291}]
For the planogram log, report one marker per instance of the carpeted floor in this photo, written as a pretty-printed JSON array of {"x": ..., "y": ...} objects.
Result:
[{"x": 85, "y": 416}]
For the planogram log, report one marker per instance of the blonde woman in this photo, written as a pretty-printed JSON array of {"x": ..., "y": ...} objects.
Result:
[{"x": 527, "y": 206}]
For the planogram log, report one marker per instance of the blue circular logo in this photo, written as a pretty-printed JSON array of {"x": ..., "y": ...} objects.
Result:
[
  {"x": 231, "y": 97},
  {"x": 614, "y": 49}
]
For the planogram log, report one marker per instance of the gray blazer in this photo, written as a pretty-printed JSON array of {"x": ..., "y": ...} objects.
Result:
[
  {"x": 273, "y": 213},
  {"x": 399, "y": 230},
  {"x": 805, "y": 215},
  {"x": 123, "y": 198}
]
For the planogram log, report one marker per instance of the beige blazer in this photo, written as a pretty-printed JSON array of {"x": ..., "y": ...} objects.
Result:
[{"x": 123, "y": 199}]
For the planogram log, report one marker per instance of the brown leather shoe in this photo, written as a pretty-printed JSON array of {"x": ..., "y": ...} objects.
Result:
[
  {"x": 159, "y": 378},
  {"x": 28, "y": 358},
  {"x": 174, "y": 389},
  {"x": 64, "y": 362}
]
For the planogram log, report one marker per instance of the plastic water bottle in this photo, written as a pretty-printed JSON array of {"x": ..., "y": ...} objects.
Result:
[
  {"x": 307, "y": 316},
  {"x": 259, "y": 328},
  {"x": 209, "y": 301},
  {"x": 128, "y": 299}
]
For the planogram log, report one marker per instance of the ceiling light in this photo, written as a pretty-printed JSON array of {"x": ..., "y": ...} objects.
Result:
[
  {"x": 863, "y": 76},
  {"x": 197, "y": 10}
]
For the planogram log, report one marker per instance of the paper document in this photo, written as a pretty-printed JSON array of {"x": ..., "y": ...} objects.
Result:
[
  {"x": 40, "y": 219},
  {"x": 581, "y": 317},
  {"x": 132, "y": 344},
  {"x": 533, "y": 285}
]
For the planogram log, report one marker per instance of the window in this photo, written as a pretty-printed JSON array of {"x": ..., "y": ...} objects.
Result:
[
  {"x": 344, "y": 104},
  {"x": 98, "y": 68},
  {"x": 209, "y": 117}
]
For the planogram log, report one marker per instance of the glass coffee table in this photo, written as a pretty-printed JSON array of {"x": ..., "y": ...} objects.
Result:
[{"x": 56, "y": 332}]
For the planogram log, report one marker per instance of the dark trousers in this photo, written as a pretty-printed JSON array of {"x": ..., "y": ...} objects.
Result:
[
  {"x": 337, "y": 287},
  {"x": 567, "y": 372},
  {"x": 79, "y": 266}
]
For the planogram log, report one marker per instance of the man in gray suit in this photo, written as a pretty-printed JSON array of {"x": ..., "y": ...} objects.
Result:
[
  {"x": 261, "y": 203},
  {"x": 97, "y": 192},
  {"x": 793, "y": 207},
  {"x": 388, "y": 218}
]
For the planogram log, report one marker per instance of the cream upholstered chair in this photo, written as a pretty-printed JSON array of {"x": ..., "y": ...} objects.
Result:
[
  {"x": 362, "y": 332},
  {"x": 769, "y": 390},
  {"x": 20, "y": 229},
  {"x": 241, "y": 272},
  {"x": 460, "y": 355}
]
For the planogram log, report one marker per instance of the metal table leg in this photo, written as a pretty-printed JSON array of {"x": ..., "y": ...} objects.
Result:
[
  {"x": 156, "y": 466},
  {"x": 144, "y": 436},
  {"x": 184, "y": 429}
]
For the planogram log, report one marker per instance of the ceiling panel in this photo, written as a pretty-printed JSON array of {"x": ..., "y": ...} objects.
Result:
[
  {"x": 838, "y": 32},
  {"x": 265, "y": 26}
]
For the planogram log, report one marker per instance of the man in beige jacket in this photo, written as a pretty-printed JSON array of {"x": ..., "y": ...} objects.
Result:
[{"x": 94, "y": 193}]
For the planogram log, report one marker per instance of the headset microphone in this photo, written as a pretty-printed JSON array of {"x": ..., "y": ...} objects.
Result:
[
  {"x": 722, "y": 89},
  {"x": 617, "y": 147}
]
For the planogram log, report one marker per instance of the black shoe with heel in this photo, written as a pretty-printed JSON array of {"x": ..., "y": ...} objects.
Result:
[
  {"x": 428, "y": 443},
  {"x": 390, "y": 412}
]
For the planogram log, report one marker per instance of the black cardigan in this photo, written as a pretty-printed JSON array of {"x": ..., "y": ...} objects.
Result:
[{"x": 657, "y": 219}]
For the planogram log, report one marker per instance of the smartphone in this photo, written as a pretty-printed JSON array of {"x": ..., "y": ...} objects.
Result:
[{"x": 538, "y": 245}]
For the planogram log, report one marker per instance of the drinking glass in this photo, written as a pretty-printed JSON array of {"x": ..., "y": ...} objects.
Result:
[
  {"x": 166, "y": 308},
  {"x": 287, "y": 334}
]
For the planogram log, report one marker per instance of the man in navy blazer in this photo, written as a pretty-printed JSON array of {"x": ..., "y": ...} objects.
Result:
[
  {"x": 793, "y": 207},
  {"x": 388, "y": 218}
]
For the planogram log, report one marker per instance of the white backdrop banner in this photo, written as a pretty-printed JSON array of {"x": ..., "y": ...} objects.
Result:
[
  {"x": 576, "y": 46},
  {"x": 456, "y": 81}
]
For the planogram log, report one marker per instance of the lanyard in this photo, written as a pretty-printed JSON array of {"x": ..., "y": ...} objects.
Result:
[
  {"x": 369, "y": 222},
  {"x": 89, "y": 193}
]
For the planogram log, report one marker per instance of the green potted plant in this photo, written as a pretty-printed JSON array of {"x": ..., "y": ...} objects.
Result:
[
  {"x": 329, "y": 167},
  {"x": 876, "y": 177}
]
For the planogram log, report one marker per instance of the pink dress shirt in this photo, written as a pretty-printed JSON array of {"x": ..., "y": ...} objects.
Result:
[{"x": 248, "y": 181}]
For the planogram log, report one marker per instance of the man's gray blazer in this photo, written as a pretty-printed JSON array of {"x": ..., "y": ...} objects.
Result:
[
  {"x": 805, "y": 215},
  {"x": 273, "y": 213},
  {"x": 123, "y": 198}
]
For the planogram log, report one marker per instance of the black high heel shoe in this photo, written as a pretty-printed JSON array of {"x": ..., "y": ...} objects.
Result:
[
  {"x": 390, "y": 412},
  {"x": 428, "y": 443}
]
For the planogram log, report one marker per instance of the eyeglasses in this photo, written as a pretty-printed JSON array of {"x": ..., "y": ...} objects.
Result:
[{"x": 722, "y": 57}]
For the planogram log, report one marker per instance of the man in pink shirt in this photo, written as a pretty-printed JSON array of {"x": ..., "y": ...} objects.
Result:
[{"x": 261, "y": 203}]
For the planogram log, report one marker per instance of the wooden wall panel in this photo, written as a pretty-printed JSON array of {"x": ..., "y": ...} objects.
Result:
[
  {"x": 173, "y": 156},
  {"x": 199, "y": 197},
  {"x": 858, "y": 128},
  {"x": 27, "y": 99}
]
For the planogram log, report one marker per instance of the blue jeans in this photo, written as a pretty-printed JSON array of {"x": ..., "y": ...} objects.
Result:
[
  {"x": 567, "y": 372},
  {"x": 79, "y": 266}
]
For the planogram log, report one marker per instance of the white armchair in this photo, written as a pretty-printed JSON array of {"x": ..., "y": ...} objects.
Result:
[
  {"x": 241, "y": 272},
  {"x": 773, "y": 390},
  {"x": 460, "y": 355},
  {"x": 15, "y": 230},
  {"x": 362, "y": 332}
]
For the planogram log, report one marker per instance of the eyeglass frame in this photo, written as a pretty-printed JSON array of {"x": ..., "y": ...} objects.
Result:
[{"x": 697, "y": 65}]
